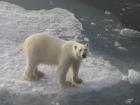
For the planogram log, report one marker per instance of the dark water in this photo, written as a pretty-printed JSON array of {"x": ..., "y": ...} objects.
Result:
[
  {"x": 126, "y": 10},
  {"x": 125, "y": 13}
]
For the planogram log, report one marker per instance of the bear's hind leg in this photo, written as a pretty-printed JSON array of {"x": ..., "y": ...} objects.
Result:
[{"x": 29, "y": 71}]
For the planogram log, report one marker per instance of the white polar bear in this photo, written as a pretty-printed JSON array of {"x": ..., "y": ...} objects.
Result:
[{"x": 41, "y": 48}]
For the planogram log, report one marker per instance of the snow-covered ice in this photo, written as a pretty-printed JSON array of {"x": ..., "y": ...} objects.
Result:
[{"x": 16, "y": 24}]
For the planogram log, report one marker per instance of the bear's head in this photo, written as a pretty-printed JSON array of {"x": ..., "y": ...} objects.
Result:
[{"x": 80, "y": 50}]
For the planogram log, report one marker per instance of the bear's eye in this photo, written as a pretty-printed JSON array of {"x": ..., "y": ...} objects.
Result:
[{"x": 80, "y": 50}]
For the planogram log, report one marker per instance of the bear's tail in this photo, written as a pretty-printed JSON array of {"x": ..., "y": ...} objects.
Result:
[{"x": 23, "y": 48}]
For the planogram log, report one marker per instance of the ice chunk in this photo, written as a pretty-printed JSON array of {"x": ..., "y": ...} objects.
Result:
[
  {"x": 122, "y": 48},
  {"x": 116, "y": 30},
  {"x": 86, "y": 39},
  {"x": 57, "y": 103},
  {"x": 118, "y": 45},
  {"x": 107, "y": 12},
  {"x": 129, "y": 101},
  {"x": 138, "y": 5},
  {"x": 107, "y": 20},
  {"x": 125, "y": 78},
  {"x": 130, "y": 33},
  {"x": 133, "y": 77},
  {"x": 92, "y": 23},
  {"x": 123, "y": 9}
]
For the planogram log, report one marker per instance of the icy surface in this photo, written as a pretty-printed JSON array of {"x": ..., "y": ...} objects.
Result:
[{"x": 16, "y": 24}]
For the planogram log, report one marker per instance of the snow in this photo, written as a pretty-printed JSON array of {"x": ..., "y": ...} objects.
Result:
[{"x": 16, "y": 24}]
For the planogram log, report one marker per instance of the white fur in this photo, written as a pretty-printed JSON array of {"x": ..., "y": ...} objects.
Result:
[{"x": 41, "y": 48}]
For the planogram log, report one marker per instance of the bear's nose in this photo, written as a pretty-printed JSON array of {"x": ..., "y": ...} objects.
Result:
[{"x": 84, "y": 55}]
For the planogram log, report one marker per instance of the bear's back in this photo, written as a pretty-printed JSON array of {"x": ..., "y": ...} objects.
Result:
[{"x": 46, "y": 48}]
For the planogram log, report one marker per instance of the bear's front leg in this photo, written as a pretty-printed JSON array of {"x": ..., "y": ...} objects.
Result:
[
  {"x": 62, "y": 70},
  {"x": 75, "y": 68}
]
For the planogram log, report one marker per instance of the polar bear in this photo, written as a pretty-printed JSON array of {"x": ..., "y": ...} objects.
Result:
[{"x": 41, "y": 48}]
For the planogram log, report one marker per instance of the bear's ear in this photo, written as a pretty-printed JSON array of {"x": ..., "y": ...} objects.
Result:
[{"x": 86, "y": 45}]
